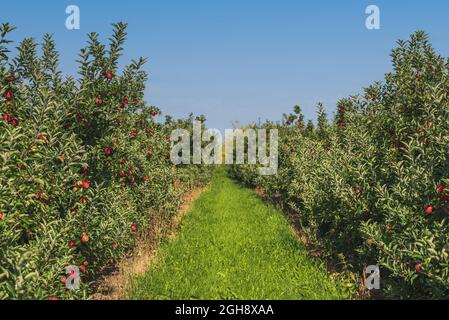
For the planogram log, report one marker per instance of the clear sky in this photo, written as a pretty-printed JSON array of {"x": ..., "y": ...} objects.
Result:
[{"x": 242, "y": 59}]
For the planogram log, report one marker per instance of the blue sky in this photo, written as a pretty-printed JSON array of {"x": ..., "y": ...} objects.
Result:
[{"x": 240, "y": 60}]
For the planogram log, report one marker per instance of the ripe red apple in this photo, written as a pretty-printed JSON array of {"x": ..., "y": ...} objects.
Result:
[
  {"x": 418, "y": 267},
  {"x": 133, "y": 228},
  {"x": 85, "y": 184},
  {"x": 8, "y": 94},
  {"x": 98, "y": 101},
  {"x": 428, "y": 123},
  {"x": 145, "y": 178},
  {"x": 108, "y": 75},
  {"x": 122, "y": 106},
  {"x": 122, "y": 174},
  {"x": 125, "y": 101},
  {"x": 441, "y": 188},
  {"x": 122, "y": 161},
  {"x": 358, "y": 190},
  {"x": 6, "y": 117},
  {"x": 154, "y": 113},
  {"x": 72, "y": 244},
  {"x": 136, "y": 101},
  {"x": 41, "y": 137},
  {"x": 1, "y": 216},
  {"x": 84, "y": 238},
  {"x": 12, "y": 78},
  {"x": 14, "y": 122},
  {"x": 107, "y": 151},
  {"x": 83, "y": 268},
  {"x": 428, "y": 209},
  {"x": 53, "y": 299}
]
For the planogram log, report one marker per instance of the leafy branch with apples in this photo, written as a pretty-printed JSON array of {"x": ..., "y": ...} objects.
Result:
[
  {"x": 371, "y": 187},
  {"x": 84, "y": 165}
]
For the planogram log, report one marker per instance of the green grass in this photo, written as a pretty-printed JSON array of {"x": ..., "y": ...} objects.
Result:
[{"x": 233, "y": 246}]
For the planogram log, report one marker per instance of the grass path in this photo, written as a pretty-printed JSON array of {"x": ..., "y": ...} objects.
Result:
[{"x": 233, "y": 246}]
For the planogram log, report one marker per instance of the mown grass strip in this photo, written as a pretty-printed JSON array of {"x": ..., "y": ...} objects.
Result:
[{"x": 233, "y": 246}]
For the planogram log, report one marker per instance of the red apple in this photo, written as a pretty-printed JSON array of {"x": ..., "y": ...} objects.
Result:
[
  {"x": 108, "y": 75},
  {"x": 84, "y": 238},
  {"x": 8, "y": 94},
  {"x": 107, "y": 151},
  {"x": 428, "y": 209},
  {"x": 83, "y": 268}
]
